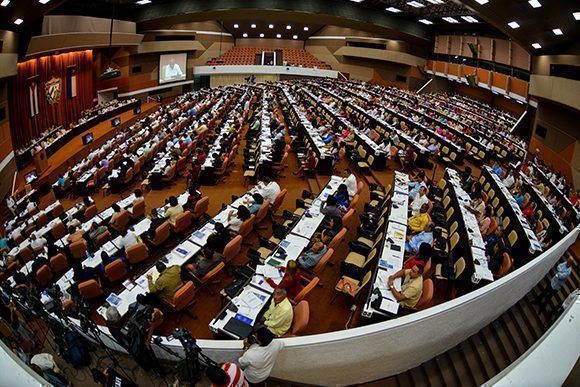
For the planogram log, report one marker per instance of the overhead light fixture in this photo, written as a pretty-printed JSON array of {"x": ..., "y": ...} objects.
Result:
[
  {"x": 425, "y": 21},
  {"x": 306, "y": 28},
  {"x": 46, "y": 1},
  {"x": 253, "y": 25},
  {"x": 140, "y": 2},
  {"x": 537, "y": 46},
  {"x": 5, "y": 3},
  {"x": 261, "y": 35},
  {"x": 236, "y": 26},
  {"x": 415, "y": 4},
  {"x": 245, "y": 35},
  {"x": 294, "y": 36},
  {"x": 482, "y": 2},
  {"x": 576, "y": 15},
  {"x": 18, "y": 21},
  {"x": 514, "y": 25},
  {"x": 470, "y": 19},
  {"x": 278, "y": 36},
  {"x": 557, "y": 31},
  {"x": 436, "y": 1},
  {"x": 393, "y": 9},
  {"x": 271, "y": 26},
  {"x": 535, "y": 3},
  {"x": 288, "y": 27},
  {"x": 450, "y": 19},
  {"x": 357, "y": 1}
]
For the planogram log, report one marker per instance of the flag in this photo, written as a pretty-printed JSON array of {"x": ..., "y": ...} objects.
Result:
[
  {"x": 71, "y": 82},
  {"x": 32, "y": 96}
]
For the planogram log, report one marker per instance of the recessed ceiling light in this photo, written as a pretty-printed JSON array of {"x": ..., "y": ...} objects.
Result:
[
  {"x": 288, "y": 27},
  {"x": 278, "y": 36},
  {"x": 450, "y": 19},
  {"x": 470, "y": 19},
  {"x": 294, "y": 36},
  {"x": 514, "y": 25},
  {"x": 253, "y": 25},
  {"x": 415, "y": 4},
  {"x": 261, "y": 35},
  {"x": 436, "y": 1},
  {"x": 576, "y": 15},
  {"x": 357, "y": 1},
  {"x": 5, "y": 3},
  {"x": 536, "y": 45},
  {"x": 236, "y": 26},
  {"x": 245, "y": 35},
  {"x": 46, "y": 1},
  {"x": 393, "y": 10},
  {"x": 143, "y": 2},
  {"x": 482, "y": 2},
  {"x": 557, "y": 31},
  {"x": 425, "y": 21},
  {"x": 18, "y": 21},
  {"x": 306, "y": 28},
  {"x": 535, "y": 3},
  {"x": 271, "y": 26}
]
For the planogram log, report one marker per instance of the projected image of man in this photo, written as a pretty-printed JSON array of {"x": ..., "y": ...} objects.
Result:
[{"x": 173, "y": 71}]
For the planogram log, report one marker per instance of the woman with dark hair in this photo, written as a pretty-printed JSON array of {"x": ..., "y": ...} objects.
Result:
[
  {"x": 194, "y": 196},
  {"x": 330, "y": 208},
  {"x": 342, "y": 197},
  {"x": 236, "y": 218},
  {"x": 485, "y": 221},
  {"x": 332, "y": 228}
]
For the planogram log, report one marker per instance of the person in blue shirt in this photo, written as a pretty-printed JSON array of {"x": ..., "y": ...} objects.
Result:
[
  {"x": 492, "y": 239},
  {"x": 258, "y": 201},
  {"x": 496, "y": 168},
  {"x": 519, "y": 197},
  {"x": 342, "y": 198},
  {"x": 61, "y": 181},
  {"x": 563, "y": 271},
  {"x": 106, "y": 259},
  {"x": 415, "y": 241},
  {"x": 310, "y": 258}
]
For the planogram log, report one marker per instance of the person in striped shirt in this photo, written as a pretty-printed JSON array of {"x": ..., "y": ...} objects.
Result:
[{"x": 226, "y": 375}]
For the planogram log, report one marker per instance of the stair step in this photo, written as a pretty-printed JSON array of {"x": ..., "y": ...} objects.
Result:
[
  {"x": 461, "y": 366},
  {"x": 447, "y": 370},
  {"x": 499, "y": 356},
  {"x": 474, "y": 363},
  {"x": 434, "y": 374},
  {"x": 481, "y": 356}
]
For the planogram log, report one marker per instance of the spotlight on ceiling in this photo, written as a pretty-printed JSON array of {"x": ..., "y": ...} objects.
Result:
[
  {"x": 294, "y": 36},
  {"x": 18, "y": 21},
  {"x": 393, "y": 9},
  {"x": 245, "y": 35},
  {"x": 5, "y": 3},
  {"x": 514, "y": 25},
  {"x": 557, "y": 31},
  {"x": 535, "y": 3},
  {"x": 253, "y": 25},
  {"x": 261, "y": 35},
  {"x": 426, "y": 21},
  {"x": 271, "y": 26},
  {"x": 415, "y": 4},
  {"x": 537, "y": 46},
  {"x": 236, "y": 26}
]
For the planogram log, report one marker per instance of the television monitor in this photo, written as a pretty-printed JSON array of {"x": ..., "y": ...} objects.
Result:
[
  {"x": 116, "y": 121},
  {"x": 88, "y": 138},
  {"x": 172, "y": 67},
  {"x": 137, "y": 110}
]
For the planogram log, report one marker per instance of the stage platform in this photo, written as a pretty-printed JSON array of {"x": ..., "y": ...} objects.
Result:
[{"x": 74, "y": 151}]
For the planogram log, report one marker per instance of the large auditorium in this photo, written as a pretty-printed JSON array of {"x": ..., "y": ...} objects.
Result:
[{"x": 289, "y": 193}]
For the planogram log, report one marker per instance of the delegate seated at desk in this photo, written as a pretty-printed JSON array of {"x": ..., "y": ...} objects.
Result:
[
  {"x": 175, "y": 209},
  {"x": 419, "y": 221},
  {"x": 312, "y": 256},
  {"x": 278, "y": 317},
  {"x": 206, "y": 260},
  {"x": 269, "y": 189},
  {"x": 411, "y": 287},
  {"x": 257, "y": 201},
  {"x": 330, "y": 207},
  {"x": 414, "y": 242},
  {"x": 167, "y": 283},
  {"x": 220, "y": 238},
  {"x": 237, "y": 217},
  {"x": 291, "y": 280},
  {"x": 129, "y": 239}
]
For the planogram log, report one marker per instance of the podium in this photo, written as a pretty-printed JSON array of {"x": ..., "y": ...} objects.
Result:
[{"x": 40, "y": 161}]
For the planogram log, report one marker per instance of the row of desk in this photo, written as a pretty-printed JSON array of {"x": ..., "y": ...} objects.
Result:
[
  {"x": 526, "y": 242},
  {"x": 241, "y": 313}
]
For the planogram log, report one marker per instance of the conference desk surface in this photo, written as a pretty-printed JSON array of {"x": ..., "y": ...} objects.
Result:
[{"x": 74, "y": 150}]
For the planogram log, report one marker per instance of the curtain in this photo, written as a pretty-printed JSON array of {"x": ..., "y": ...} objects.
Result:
[{"x": 65, "y": 110}]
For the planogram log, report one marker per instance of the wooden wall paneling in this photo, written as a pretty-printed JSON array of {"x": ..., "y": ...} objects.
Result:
[
  {"x": 518, "y": 86},
  {"x": 520, "y": 57},
  {"x": 499, "y": 80},
  {"x": 485, "y": 48},
  {"x": 441, "y": 67},
  {"x": 483, "y": 76},
  {"x": 502, "y": 51},
  {"x": 455, "y": 46},
  {"x": 453, "y": 69}
]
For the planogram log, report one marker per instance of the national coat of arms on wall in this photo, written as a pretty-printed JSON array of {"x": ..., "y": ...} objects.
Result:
[{"x": 53, "y": 89}]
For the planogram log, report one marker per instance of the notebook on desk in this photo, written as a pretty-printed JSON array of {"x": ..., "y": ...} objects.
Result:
[{"x": 238, "y": 328}]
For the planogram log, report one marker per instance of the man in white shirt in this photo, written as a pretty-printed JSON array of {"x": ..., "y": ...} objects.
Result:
[
  {"x": 509, "y": 180},
  {"x": 269, "y": 189},
  {"x": 37, "y": 244},
  {"x": 173, "y": 71},
  {"x": 130, "y": 239},
  {"x": 258, "y": 358},
  {"x": 419, "y": 200},
  {"x": 350, "y": 182}
]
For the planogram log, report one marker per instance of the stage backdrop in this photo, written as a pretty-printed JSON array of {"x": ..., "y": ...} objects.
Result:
[{"x": 50, "y": 90}]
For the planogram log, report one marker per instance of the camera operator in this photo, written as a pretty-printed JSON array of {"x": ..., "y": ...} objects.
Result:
[{"x": 259, "y": 355}]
